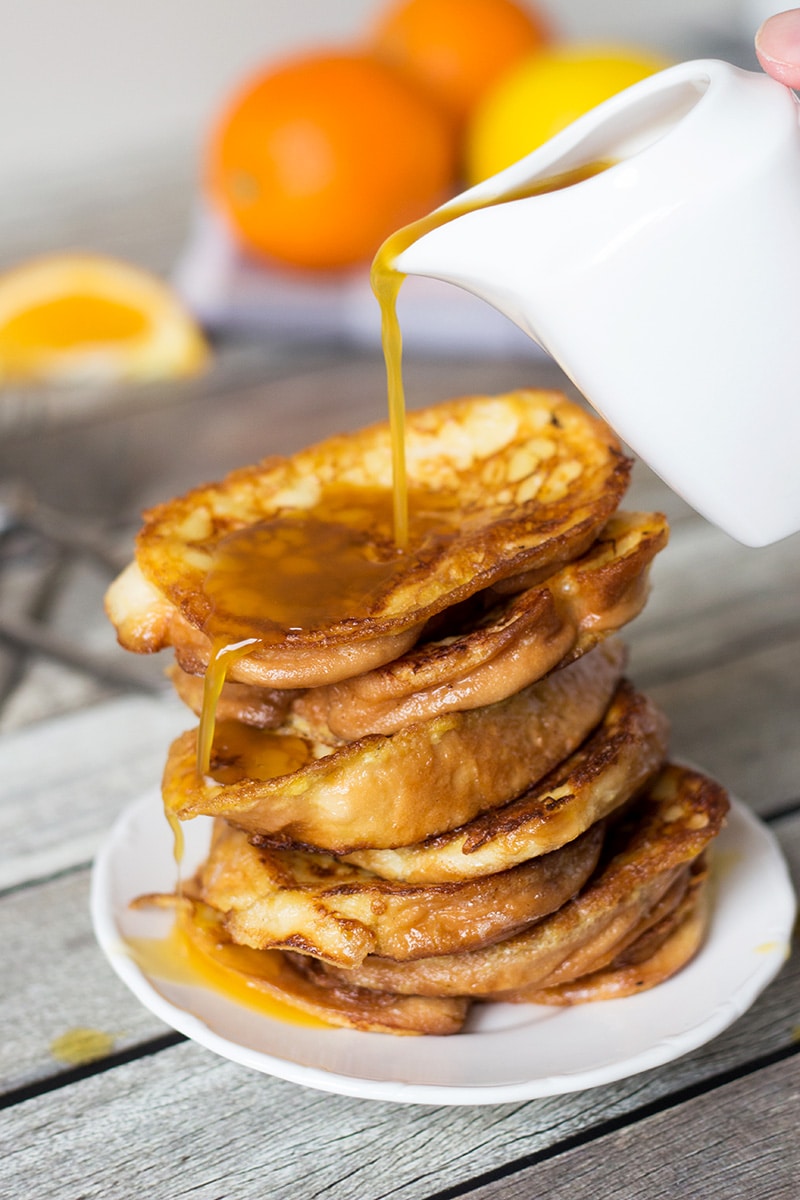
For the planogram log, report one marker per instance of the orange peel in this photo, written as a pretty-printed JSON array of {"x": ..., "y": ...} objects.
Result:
[{"x": 77, "y": 317}]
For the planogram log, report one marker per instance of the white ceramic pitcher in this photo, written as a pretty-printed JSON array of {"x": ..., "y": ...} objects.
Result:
[{"x": 667, "y": 286}]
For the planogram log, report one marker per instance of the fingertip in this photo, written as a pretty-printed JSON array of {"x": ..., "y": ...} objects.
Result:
[{"x": 777, "y": 45}]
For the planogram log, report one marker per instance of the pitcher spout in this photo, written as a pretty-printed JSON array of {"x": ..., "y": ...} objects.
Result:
[
  {"x": 661, "y": 283},
  {"x": 506, "y": 238},
  {"x": 479, "y": 252}
]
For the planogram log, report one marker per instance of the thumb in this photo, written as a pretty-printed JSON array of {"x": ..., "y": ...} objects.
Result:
[{"x": 778, "y": 47}]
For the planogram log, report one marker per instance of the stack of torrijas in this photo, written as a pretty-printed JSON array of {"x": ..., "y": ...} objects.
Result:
[{"x": 434, "y": 786}]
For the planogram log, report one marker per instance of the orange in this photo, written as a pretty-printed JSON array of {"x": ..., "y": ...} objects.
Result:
[
  {"x": 542, "y": 95},
  {"x": 85, "y": 316},
  {"x": 318, "y": 160},
  {"x": 458, "y": 48}
]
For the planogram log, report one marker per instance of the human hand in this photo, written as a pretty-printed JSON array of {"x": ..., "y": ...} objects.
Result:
[{"x": 778, "y": 47}]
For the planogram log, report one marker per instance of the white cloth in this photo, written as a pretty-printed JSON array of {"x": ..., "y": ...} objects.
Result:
[{"x": 226, "y": 289}]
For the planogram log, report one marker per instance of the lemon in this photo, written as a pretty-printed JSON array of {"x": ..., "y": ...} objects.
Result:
[
  {"x": 542, "y": 95},
  {"x": 68, "y": 317}
]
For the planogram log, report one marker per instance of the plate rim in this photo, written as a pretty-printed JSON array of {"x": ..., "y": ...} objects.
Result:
[{"x": 665, "y": 1049}]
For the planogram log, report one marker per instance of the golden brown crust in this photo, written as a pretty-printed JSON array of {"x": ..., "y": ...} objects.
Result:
[
  {"x": 398, "y": 789},
  {"x": 339, "y": 913},
  {"x": 617, "y": 759},
  {"x": 276, "y": 976},
  {"x": 669, "y": 827},
  {"x": 474, "y": 658},
  {"x": 261, "y": 707},
  {"x": 146, "y": 622},
  {"x": 656, "y": 956},
  {"x": 140, "y": 615},
  {"x": 517, "y": 642},
  {"x": 430, "y": 786},
  {"x": 600, "y": 952},
  {"x": 534, "y": 475}
]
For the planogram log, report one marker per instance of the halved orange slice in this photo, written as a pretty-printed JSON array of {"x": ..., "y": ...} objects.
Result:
[{"x": 73, "y": 317}]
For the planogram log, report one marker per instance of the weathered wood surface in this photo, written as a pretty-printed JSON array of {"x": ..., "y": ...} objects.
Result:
[
  {"x": 718, "y": 646},
  {"x": 180, "y": 1125},
  {"x": 715, "y": 606},
  {"x": 739, "y": 1140},
  {"x": 186, "y": 1124},
  {"x": 46, "y": 935},
  {"x": 64, "y": 786}
]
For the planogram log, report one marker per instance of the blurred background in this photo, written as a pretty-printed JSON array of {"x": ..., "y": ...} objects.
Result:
[
  {"x": 131, "y": 86},
  {"x": 88, "y": 83},
  {"x": 105, "y": 112},
  {"x": 106, "y": 109}
]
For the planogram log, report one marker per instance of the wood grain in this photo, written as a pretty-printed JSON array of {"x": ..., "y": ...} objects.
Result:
[
  {"x": 739, "y": 1140},
  {"x": 195, "y": 1124},
  {"x": 718, "y": 647},
  {"x": 65, "y": 781},
  {"x": 60, "y": 981}
]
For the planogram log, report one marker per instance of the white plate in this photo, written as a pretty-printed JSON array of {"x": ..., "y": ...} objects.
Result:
[{"x": 507, "y": 1052}]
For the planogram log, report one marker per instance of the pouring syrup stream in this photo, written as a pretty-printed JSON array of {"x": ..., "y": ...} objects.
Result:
[
  {"x": 250, "y": 561},
  {"x": 331, "y": 564}
]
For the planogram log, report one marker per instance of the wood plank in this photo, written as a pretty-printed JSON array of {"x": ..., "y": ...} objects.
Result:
[
  {"x": 204, "y": 1128},
  {"x": 26, "y": 576},
  {"x": 740, "y": 1140},
  {"x": 75, "y": 661},
  {"x": 64, "y": 782},
  {"x": 56, "y": 980},
  {"x": 130, "y": 1114},
  {"x": 739, "y": 722},
  {"x": 713, "y": 600}
]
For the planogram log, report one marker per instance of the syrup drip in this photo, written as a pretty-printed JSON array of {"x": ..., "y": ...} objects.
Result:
[
  {"x": 386, "y": 282},
  {"x": 82, "y": 1045},
  {"x": 242, "y": 752},
  {"x": 196, "y": 951},
  {"x": 298, "y": 572},
  {"x": 306, "y": 570},
  {"x": 223, "y": 655}
]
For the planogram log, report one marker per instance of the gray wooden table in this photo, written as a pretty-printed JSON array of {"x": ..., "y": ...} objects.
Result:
[
  {"x": 718, "y": 647},
  {"x": 84, "y": 730}
]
